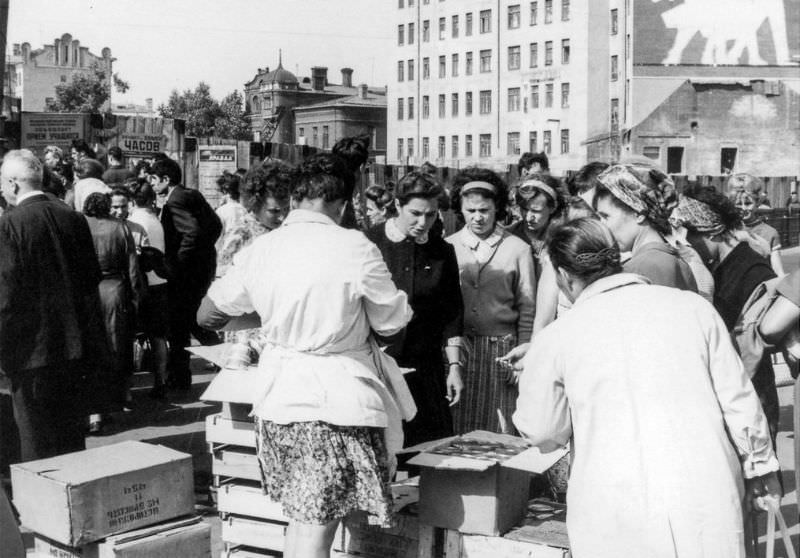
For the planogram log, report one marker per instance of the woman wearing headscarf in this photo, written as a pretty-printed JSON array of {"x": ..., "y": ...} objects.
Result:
[
  {"x": 711, "y": 220},
  {"x": 498, "y": 285},
  {"x": 663, "y": 420},
  {"x": 635, "y": 202}
]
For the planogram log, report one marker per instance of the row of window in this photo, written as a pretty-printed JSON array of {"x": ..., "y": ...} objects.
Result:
[
  {"x": 405, "y": 147},
  {"x": 314, "y": 141},
  {"x": 405, "y": 107},
  {"x": 513, "y": 21}
]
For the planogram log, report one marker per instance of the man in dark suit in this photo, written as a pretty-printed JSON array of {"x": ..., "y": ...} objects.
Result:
[
  {"x": 190, "y": 230},
  {"x": 51, "y": 331}
]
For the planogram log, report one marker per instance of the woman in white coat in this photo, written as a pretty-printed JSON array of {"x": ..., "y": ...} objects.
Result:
[{"x": 645, "y": 381}]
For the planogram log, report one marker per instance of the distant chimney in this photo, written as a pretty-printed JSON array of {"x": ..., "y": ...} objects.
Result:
[
  {"x": 347, "y": 77},
  {"x": 319, "y": 78},
  {"x": 362, "y": 90},
  {"x": 149, "y": 103}
]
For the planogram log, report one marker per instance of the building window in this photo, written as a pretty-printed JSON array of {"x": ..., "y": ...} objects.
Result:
[
  {"x": 485, "y": 145},
  {"x": 411, "y": 30},
  {"x": 442, "y": 67},
  {"x": 410, "y": 147},
  {"x": 468, "y": 103},
  {"x": 454, "y": 104},
  {"x": 325, "y": 137},
  {"x": 486, "y": 61},
  {"x": 401, "y": 34},
  {"x": 410, "y": 70},
  {"x": 533, "y": 142},
  {"x": 468, "y": 30},
  {"x": 314, "y": 136},
  {"x": 441, "y": 147},
  {"x": 400, "y": 4},
  {"x": 400, "y": 108},
  {"x": 410, "y": 3},
  {"x": 468, "y": 69},
  {"x": 513, "y": 58},
  {"x": 486, "y": 21},
  {"x": 614, "y": 115},
  {"x": 565, "y": 95},
  {"x": 426, "y": 31},
  {"x": 564, "y": 141},
  {"x": 513, "y": 16},
  {"x": 564, "y": 10},
  {"x": 534, "y": 55},
  {"x": 426, "y": 153},
  {"x": 548, "y": 11},
  {"x": 513, "y": 99},
  {"x": 441, "y": 106},
  {"x": 674, "y": 160},
  {"x": 411, "y": 108},
  {"x": 426, "y": 68},
  {"x": 426, "y": 106},
  {"x": 401, "y": 71},
  {"x": 614, "y": 67},
  {"x": 468, "y": 145},
  {"x": 565, "y": 51},
  {"x": 546, "y": 140},
  {"x": 548, "y": 95},
  {"x": 534, "y": 12},
  {"x": 63, "y": 79},
  {"x": 454, "y": 65},
  {"x": 548, "y": 53},
  {"x": 727, "y": 160},
  {"x": 534, "y": 96},
  {"x": 614, "y": 21},
  {"x": 652, "y": 152},
  {"x": 454, "y": 147},
  {"x": 442, "y": 28},
  {"x": 301, "y": 132},
  {"x": 485, "y": 102},
  {"x": 454, "y": 26},
  {"x": 513, "y": 143}
]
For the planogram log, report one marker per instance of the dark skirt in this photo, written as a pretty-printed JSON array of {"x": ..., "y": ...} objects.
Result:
[
  {"x": 428, "y": 386},
  {"x": 322, "y": 472}
]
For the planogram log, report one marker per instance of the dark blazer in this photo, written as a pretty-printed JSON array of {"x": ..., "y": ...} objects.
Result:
[
  {"x": 191, "y": 228},
  {"x": 49, "y": 275}
]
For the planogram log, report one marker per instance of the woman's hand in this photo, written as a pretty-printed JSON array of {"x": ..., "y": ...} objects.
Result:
[
  {"x": 512, "y": 362},
  {"x": 759, "y": 488},
  {"x": 455, "y": 384}
]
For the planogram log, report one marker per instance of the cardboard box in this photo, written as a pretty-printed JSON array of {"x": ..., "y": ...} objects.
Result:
[
  {"x": 246, "y": 531},
  {"x": 82, "y": 497},
  {"x": 242, "y": 498},
  {"x": 235, "y": 390},
  {"x": 185, "y": 538},
  {"x": 477, "y": 483}
]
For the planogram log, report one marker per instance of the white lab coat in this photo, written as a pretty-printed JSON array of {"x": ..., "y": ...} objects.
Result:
[{"x": 647, "y": 381}]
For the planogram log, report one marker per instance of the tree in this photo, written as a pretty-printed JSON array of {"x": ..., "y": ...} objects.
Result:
[
  {"x": 205, "y": 116},
  {"x": 87, "y": 92}
]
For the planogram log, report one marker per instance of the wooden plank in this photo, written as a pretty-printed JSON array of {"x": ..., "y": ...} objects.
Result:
[
  {"x": 399, "y": 541},
  {"x": 245, "y": 552},
  {"x": 252, "y": 532},
  {"x": 246, "y": 499},
  {"x": 427, "y": 541},
  {"x": 482, "y": 546},
  {"x": 236, "y": 464},
  {"x": 221, "y": 430}
]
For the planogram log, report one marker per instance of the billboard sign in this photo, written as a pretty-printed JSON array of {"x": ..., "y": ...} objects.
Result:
[
  {"x": 717, "y": 32},
  {"x": 40, "y": 129},
  {"x": 213, "y": 161}
]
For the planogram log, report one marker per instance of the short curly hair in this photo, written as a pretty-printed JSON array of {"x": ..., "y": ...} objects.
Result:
[
  {"x": 272, "y": 179},
  {"x": 323, "y": 176},
  {"x": 478, "y": 174},
  {"x": 97, "y": 204}
]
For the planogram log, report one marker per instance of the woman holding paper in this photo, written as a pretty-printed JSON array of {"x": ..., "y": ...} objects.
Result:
[{"x": 665, "y": 421}]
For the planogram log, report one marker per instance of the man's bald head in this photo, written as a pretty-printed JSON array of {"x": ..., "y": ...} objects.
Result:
[{"x": 20, "y": 173}]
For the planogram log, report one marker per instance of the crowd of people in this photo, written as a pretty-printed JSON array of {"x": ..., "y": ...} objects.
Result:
[{"x": 598, "y": 313}]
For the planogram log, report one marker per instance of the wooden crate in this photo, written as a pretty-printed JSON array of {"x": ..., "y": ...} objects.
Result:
[
  {"x": 221, "y": 430},
  {"x": 260, "y": 534},
  {"x": 235, "y": 462},
  {"x": 246, "y": 552},
  {"x": 242, "y": 498},
  {"x": 356, "y": 536}
]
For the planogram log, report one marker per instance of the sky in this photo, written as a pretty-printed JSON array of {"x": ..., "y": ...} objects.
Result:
[{"x": 161, "y": 45}]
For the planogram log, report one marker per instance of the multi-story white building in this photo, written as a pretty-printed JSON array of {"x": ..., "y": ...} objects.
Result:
[{"x": 481, "y": 81}]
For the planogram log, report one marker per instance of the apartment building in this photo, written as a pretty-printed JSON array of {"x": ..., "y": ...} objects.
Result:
[{"x": 481, "y": 81}]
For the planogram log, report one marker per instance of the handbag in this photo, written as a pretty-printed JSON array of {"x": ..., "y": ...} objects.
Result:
[{"x": 774, "y": 516}]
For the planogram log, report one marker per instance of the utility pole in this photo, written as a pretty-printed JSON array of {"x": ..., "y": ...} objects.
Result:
[{"x": 3, "y": 43}]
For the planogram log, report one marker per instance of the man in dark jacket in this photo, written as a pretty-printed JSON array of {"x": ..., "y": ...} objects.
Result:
[
  {"x": 51, "y": 332},
  {"x": 190, "y": 230}
]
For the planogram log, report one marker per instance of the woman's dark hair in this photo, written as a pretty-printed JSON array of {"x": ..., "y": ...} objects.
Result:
[
  {"x": 419, "y": 184},
  {"x": 585, "y": 248},
  {"x": 81, "y": 146},
  {"x": 52, "y": 183},
  {"x": 273, "y": 179},
  {"x": 555, "y": 204},
  {"x": 144, "y": 195},
  {"x": 354, "y": 151},
  {"x": 228, "y": 183},
  {"x": 169, "y": 168},
  {"x": 586, "y": 178},
  {"x": 477, "y": 174},
  {"x": 89, "y": 168},
  {"x": 382, "y": 198},
  {"x": 137, "y": 169},
  {"x": 722, "y": 205},
  {"x": 527, "y": 160},
  {"x": 324, "y": 176},
  {"x": 98, "y": 205}
]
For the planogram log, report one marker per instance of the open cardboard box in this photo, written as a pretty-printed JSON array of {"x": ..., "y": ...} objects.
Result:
[
  {"x": 234, "y": 389},
  {"x": 478, "y": 482}
]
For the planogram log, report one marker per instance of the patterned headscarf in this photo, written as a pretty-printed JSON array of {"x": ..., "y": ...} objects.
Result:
[
  {"x": 645, "y": 190},
  {"x": 696, "y": 215}
]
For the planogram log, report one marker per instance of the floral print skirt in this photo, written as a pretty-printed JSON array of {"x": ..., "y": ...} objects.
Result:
[{"x": 321, "y": 472}]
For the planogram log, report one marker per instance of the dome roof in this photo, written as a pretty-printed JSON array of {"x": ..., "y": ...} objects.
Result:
[{"x": 280, "y": 75}]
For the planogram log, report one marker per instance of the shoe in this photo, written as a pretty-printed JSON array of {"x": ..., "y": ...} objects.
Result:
[{"x": 95, "y": 428}]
